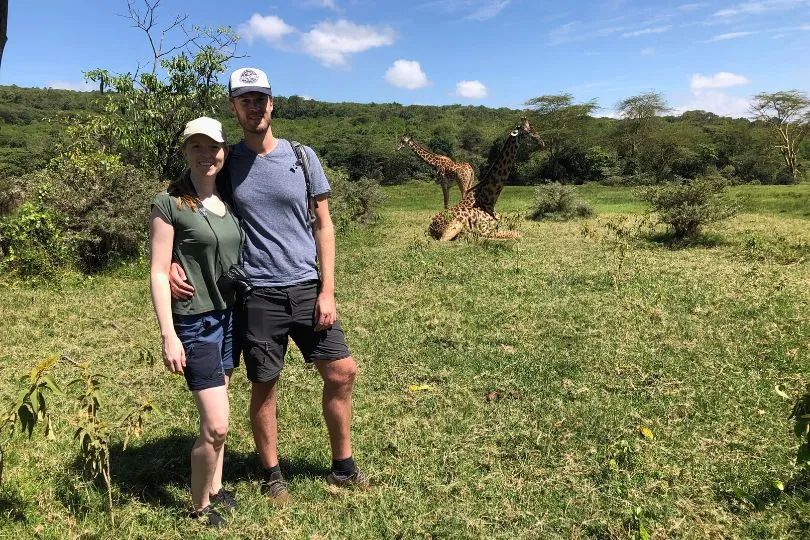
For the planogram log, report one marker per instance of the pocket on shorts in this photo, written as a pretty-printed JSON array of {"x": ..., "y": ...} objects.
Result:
[
  {"x": 188, "y": 328},
  {"x": 204, "y": 366}
]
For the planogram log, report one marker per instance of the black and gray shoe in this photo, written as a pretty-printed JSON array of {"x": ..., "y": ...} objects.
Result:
[
  {"x": 224, "y": 499},
  {"x": 274, "y": 487},
  {"x": 209, "y": 516}
]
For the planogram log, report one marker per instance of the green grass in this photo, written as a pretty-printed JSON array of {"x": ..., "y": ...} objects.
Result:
[{"x": 575, "y": 351}]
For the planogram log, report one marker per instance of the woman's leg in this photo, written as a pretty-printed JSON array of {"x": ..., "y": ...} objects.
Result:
[
  {"x": 216, "y": 481},
  {"x": 206, "y": 455}
]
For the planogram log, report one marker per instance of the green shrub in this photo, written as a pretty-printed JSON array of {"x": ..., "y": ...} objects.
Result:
[
  {"x": 33, "y": 243},
  {"x": 557, "y": 201},
  {"x": 105, "y": 206},
  {"x": 353, "y": 203},
  {"x": 687, "y": 205}
]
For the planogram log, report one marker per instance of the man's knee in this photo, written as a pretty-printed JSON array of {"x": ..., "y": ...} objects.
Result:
[{"x": 339, "y": 373}]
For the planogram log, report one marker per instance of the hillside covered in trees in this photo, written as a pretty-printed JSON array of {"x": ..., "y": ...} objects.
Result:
[{"x": 361, "y": 138}]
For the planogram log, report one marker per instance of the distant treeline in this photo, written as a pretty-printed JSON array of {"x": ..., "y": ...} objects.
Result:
[{"x": 361, "y": 139}]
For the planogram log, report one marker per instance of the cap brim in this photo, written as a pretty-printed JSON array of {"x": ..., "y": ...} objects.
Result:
[
  {"x": 215, "y": 138},
  {"x": 245, "y": 89}
]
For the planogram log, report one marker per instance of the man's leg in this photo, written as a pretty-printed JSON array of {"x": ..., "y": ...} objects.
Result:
[
  {"x": 263, "y": 421},
  {"x": 338, "y": 381}
]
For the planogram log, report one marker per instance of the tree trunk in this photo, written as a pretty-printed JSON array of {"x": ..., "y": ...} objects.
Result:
[{"x": 3, "y": 26}]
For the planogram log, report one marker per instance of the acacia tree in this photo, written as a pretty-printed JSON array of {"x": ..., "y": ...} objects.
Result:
[
  {"x": 557, "y": 119},
  {"x": 638, "y": 114},
  {"x": 788, "y": 114},
  {"x": 144, "y": 113}
]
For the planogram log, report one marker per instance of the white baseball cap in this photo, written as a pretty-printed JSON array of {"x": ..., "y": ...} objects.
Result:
[
  {"x": 248, "y": 79},
  {"x": 204, "y": 126}
]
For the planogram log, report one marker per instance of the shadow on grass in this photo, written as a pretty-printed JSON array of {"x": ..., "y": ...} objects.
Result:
[
  {"x": 705, "y": 240},
  {"x": 158, "y": 472},
  {"x": 12, "y": 507},
  {"x": 794, "y": 499}
]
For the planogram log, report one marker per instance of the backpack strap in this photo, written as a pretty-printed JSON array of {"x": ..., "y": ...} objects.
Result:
[{"x": 303, "y": 160}]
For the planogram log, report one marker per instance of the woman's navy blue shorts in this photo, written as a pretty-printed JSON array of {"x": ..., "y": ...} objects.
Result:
[{"x": 208, "y": 341}]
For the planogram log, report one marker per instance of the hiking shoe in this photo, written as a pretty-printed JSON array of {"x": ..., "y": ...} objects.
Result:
[
  {"x": 224, "y": 499},
  {"x": 209, "y": 515},
  {"x": 275, "y": 488},
  {"x": 356, "y": 479}
]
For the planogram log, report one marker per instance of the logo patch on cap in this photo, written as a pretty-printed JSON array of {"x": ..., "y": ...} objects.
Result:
[{"x": 249, "y": 76}]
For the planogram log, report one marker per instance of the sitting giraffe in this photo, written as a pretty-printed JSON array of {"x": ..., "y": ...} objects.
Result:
[
  {"x": 476, "y": 210},
  {"x": 446, "y": 168}
]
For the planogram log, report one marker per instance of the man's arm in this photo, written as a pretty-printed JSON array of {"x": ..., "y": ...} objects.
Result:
[{"x": 324, "y": 233}]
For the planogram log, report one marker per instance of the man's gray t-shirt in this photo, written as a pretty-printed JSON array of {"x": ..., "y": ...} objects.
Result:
[{"x": 269, "y": 194}]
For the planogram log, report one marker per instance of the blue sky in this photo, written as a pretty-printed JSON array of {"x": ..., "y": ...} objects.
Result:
[{"x": 711, "y": 55}]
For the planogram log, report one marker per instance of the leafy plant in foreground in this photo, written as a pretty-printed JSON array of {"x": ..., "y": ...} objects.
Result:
[
  {"x": 30, "y": 407},
  {"x": 95, "y": 434}
]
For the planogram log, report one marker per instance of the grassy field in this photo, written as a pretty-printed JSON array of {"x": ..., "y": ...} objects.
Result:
[{"x": 557, "y": 386}]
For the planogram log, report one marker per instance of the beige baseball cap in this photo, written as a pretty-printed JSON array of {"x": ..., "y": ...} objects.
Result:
[{"x": 204, "y": 126}]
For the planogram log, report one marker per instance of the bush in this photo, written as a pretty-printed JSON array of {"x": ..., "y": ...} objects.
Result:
[
  {"x": 559, "y": 201},
  {"x": 32, "y": 243},
  {"x": 105, "y": 206},
  {"x": 353, "y": 203},
  {"x": 686, "y": 206}
]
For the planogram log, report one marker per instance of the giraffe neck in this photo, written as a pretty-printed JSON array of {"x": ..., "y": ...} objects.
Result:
[
  {"x": 489, "y": 188},
  {"x": 426, "y": 155}
]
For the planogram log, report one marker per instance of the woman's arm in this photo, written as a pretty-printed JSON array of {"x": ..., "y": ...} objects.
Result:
[{"x": 161, "y": 240}]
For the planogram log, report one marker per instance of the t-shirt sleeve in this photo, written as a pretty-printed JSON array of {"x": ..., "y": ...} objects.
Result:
[
  {"x": 164, "y": 204},
  {"x": 318, "y": 180}
]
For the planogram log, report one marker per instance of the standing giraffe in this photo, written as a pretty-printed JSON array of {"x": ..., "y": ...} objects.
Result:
[
  {"x": 446, "y": 168},
  {"x": 476, "y": 210}
]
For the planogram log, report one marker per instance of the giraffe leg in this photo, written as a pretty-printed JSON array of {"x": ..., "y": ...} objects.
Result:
[{"x": 452, "y": 231}]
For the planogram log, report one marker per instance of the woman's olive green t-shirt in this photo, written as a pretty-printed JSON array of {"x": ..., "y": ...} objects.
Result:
[{"x": 205, "y": 245}]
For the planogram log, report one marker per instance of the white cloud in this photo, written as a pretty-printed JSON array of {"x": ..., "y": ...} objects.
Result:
[
  {"x": 270, "y": 28},
  {"x": 730, "y": 35},
  {"x": 77, "y": 86},
  {"x": 479, "y": 10},
  {"x": 805, "y": 27},
  {"x": 649, "y": 51},
  {"x": 693, "y": 6},
  {"x": 333, "y": 43},
  {"x": 755, "y": 8},
  {"x": 647, "y": 31},
  {"x": 471, "y": 90},
  {"x": 488, "y": 9},
  {"x": 718, "y": 103},
  {"x": 724, "y": 79},
  {"x": 406, "y": 74},
  {"x": 327, "y": 4}
]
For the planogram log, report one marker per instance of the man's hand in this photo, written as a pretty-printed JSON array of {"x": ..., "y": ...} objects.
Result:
[
  {"x": 325, "y": 311},
  {"x": 174, "y": 356},
  {"x": 180, "y": 288}
]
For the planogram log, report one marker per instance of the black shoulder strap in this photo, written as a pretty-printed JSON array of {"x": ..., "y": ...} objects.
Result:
[
  {"x": 303, "y": 160},
  {"x": 223, "y": 181}
]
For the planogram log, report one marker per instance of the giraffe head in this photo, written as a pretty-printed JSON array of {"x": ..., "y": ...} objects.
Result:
[
  {"x": 525, "y": 128},
  {"x": 404, "y": 141}
]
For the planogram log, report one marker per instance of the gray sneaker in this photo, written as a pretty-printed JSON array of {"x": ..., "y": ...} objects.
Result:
[
  {"x": 356, "y": 479},
  {"x": 275, "y": 489}
]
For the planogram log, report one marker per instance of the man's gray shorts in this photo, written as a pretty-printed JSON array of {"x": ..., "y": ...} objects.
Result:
[{"x": 273, "y": 315}]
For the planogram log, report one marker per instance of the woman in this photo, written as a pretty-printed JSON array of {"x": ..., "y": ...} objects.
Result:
[{"x": 191, "y": 225}]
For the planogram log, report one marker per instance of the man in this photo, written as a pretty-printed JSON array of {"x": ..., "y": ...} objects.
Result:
[{"x": 267, "y": 189}]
